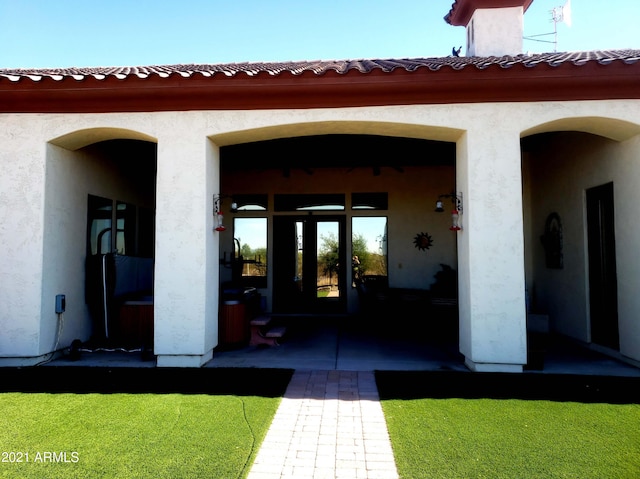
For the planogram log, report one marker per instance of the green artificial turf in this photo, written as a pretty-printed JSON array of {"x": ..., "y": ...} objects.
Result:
[
  {"x": 131, "y": 435},
  {"x": 512, "y": 438}
]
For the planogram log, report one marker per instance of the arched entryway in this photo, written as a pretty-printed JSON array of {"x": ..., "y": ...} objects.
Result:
[
  {"x": 346, "y": 181},
  {"x": 100, "y": 213},
  {"x": 579, "y": 186}
]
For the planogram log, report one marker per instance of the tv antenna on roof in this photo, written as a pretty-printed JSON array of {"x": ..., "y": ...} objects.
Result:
[{"x": 560, "y": 14}]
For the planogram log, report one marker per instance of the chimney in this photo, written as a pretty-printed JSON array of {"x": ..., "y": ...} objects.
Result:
[{"x": 494, "y": 27}]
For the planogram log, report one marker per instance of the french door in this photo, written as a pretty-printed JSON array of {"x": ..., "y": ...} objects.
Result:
[{"x": 309, "y": 267}]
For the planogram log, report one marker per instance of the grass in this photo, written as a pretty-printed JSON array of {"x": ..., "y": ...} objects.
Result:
[
  {"x": 489, "y": 438},
  {"x": 135, "y": 423},
  {"x": 511, "y": 435},
  {"x": 132, "y": 435}
]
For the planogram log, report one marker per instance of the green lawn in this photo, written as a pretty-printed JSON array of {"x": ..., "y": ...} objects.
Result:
[
  {"x": 131, "y": 435},
  {"x": 509, "y": 438}
]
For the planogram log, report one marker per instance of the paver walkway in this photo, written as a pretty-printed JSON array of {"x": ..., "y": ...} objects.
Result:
[{"x": 329, "y": 425}]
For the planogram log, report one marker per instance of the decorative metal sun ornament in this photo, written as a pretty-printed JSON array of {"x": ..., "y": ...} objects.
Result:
[{"x": 423, "y": 241}]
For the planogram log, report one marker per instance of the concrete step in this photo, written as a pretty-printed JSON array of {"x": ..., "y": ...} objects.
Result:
[
  {"x": 261, "y": 321},
  {"x": 276, "y": 332}
]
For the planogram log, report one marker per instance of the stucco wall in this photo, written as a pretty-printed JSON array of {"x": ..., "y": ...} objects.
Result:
[
  {"x": 186, "y": 274},
  {"x": 36, "y": 262},
  {"x": 495, "y": 32},
  {"x": 21, "y": 237},
  {"x": 491, "y": 302},
  {"x": 45, "y": 242},
  {"x": 563, "y": 166}
]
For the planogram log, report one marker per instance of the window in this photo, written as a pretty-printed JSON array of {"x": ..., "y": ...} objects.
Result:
[
  {"x": 130, "y": 231},
  {"x": 99, "y": 225},
  {"x": 302, "y": 202},
  {"x": 369, "y": 201},
  {"x": 369, "y": 248},
  {"x": 125, "y": 228},
  {"x": 251, "y": 202},
  {"x": 250, "y": 251}
]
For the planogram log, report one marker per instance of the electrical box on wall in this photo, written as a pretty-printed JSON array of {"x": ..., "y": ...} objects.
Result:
[{"x": 61, "y": 303}]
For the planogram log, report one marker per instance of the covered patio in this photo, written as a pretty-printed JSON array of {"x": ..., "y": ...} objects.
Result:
[{"x": 337, "y": 344}]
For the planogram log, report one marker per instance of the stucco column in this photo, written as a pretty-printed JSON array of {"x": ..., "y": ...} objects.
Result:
[
  {"x": 186, "y": 273},
  {"x": 491, "y": 251},
  {"x": 22, "y": 235}
]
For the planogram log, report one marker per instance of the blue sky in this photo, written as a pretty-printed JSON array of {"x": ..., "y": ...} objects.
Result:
[{"x": 66, "y": 33}]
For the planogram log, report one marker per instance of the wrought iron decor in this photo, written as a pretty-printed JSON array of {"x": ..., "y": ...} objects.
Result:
[
  {"x": 423, "y": 241},
  {"x": 552, "y": 242}
]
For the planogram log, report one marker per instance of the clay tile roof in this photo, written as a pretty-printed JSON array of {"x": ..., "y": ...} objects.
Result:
[
  {"x": 565, "y": 76},
  {"x": 320, "y": 68}
]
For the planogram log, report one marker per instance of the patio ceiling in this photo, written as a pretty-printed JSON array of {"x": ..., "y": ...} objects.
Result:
[{"x": 337, "y": 151}]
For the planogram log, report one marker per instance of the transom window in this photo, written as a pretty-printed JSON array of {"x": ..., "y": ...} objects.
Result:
[{"x": 310, "y": 202}]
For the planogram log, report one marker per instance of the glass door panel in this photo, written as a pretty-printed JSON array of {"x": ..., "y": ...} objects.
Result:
[
  {"x": 308, "y": 257},
  {"x": 328, "y": 259},
  {"x": 249, "y": 260}
]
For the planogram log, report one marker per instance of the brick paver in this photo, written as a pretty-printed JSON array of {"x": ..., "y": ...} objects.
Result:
[{"x": 329, "y": 425}]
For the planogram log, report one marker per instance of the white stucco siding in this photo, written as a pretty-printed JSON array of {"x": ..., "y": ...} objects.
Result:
[
  {"x": 69, "y": 177},
  {"x": 186, "y": 248},
  {"x": 437, "y": 122},
  {"x": 38, "y": 263},
  {"x": 495, "y": 32},
  {"x": 212, "y": 265},
  {"x": 22, "y": 161},
  {"x": 627, "y": 197},
  {"x": 493, "y": 249}
]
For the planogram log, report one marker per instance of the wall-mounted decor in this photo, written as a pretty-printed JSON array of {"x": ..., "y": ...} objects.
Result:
[
  {"x": 423, "y": 241},
  {"x": 552, "y": 241},
  {"x": 456, "y": 199}
]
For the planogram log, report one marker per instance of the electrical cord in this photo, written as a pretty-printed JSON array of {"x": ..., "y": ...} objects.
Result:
[
  {"x": 59, "y": 332},
  {"x": 56, "y": 343},
  {"x": 253, "y": 437},
  {"x": 109, "y": 350}
]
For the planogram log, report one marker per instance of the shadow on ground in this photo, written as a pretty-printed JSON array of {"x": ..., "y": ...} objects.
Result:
[
  {"x": 274, "y": 382},
  {"x": 551, "y": 387},
  {"x": 218, "y": 381}
]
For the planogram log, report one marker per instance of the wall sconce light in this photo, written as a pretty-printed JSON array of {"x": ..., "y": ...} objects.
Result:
[
  {"x": 456, "y": 199},
  {"x": 218, "y": 216}
]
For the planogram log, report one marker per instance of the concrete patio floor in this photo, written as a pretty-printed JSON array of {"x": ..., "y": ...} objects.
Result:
[{"x": 342, "y": 344}]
